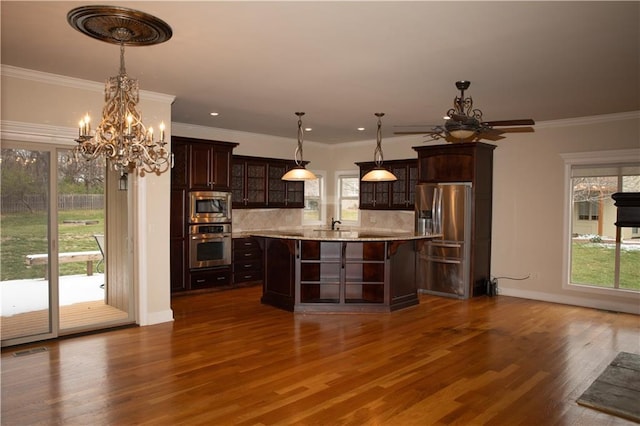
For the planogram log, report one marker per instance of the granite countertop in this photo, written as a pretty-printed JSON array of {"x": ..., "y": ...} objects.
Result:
[{"x": 356, "y": 234}]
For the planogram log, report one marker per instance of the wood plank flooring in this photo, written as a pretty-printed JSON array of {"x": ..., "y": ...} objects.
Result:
[{"x": 227, "y": 359}]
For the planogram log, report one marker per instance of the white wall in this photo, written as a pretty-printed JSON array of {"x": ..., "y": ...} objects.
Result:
[{"x": 55, "y": 104}]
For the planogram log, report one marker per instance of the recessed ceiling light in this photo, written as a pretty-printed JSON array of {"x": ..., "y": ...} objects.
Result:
[
  {"x": 214, "y": 114},
  {"x": 308, "y": 129},
  {"x": 360, "y": 129}
]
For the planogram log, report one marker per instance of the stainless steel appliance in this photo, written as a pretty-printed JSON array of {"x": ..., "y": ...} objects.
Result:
[
  {"x": 209, "y": 206},
  {"x": 443, "y": 266},
  {"x": 209, "y": 245}
]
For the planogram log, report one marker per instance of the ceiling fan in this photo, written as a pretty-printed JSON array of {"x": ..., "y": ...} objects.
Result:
[{"x": 464, "y": 123}]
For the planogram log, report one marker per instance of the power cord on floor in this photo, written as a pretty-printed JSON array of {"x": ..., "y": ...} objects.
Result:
[{"x": 492, "y": 284}]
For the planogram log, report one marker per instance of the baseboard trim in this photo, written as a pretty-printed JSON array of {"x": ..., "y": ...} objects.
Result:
[{"x": 632, "y": 307}]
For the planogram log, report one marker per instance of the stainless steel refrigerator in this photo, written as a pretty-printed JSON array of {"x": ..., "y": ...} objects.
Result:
[{"x": 444, "y": 264}]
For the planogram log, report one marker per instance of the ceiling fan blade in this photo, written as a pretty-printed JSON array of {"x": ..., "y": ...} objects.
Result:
[
  {"x": 428, "y": 132},
  {"x": 490, "y": 134},
  {"x": 517, "y": 129},
  {"x": 417, "y": 125},
  {"x": 522, "y": 122}
]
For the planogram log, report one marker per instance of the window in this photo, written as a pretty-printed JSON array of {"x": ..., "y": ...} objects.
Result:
[
  {"x": 348, "y": 197},
  {"x": 587, "y": 210},
  {"x": 313, "y": 195},
  {"x": 599, "y": 254}
]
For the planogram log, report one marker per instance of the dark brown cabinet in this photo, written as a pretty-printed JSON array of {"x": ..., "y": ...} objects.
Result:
[
  {"x": 339, "y": 276},
  {"x": 257, "y": 183},
  {"x": 247, "y": 260},
  {"x": 397, "y": 195},
  {"x": 197, "y": 165},
  {"x": 248, "y": 182},
  {"x": 209, "y": 167},
  {"x": 466, "y": 162}
]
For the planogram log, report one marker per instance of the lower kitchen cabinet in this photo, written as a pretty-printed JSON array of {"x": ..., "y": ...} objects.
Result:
[
  {"x": 209, "y": 278},
  {"x": 247, "y": 261},
  {"x": 339, "y": 276}
]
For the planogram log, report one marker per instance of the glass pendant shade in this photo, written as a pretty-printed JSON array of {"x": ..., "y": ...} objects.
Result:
[
  {"x": 299, "y": 173},
  {"x": 462, "y": 133},
  {"x": 379, "y": 173}
]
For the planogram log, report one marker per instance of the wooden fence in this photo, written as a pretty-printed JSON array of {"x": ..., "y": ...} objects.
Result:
[{"x": 38, "y": 202}]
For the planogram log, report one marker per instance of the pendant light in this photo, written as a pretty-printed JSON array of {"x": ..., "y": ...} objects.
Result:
[
  {"x": 379, "y": 173},
  {"x": 299, "y": 173}
]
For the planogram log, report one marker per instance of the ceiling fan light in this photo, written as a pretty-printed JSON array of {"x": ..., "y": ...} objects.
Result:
[
  {"x": 379, "y": 174},
  {"x": 462, "y": 133},
  {"x": 299, "y": 173}
]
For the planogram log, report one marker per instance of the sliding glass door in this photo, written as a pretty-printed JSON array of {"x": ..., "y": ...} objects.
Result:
[
  {"x": 27, "y": 285},
  {"x": 64, "y": 249}
]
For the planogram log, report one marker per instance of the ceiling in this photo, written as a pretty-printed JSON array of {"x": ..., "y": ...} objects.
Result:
[{"x": 256, "y": 63}]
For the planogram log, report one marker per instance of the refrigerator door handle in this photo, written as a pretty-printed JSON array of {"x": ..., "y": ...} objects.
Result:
[
  {"x": 447, "y": 245},
  {"x": 437, "y": 260}
]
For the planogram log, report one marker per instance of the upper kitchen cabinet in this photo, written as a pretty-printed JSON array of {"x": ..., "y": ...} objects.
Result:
[
  {"x": 248, "y": 182},
  {"x": 396, "y": 195},
  {"x": 201, "y": 164},
  {"x": 282, "y": 193},
  {"x": 460, "y": 162},
  {"x": 256, "y": 182}
]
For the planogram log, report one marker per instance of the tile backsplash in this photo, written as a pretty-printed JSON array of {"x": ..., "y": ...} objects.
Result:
[{"x": 254, "y": 219}]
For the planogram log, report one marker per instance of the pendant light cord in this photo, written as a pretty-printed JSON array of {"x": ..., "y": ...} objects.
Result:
[{"x": 378, "y": 157}]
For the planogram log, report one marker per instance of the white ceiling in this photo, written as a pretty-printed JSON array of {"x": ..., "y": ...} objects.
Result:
[{"x": 256, "y": 63}]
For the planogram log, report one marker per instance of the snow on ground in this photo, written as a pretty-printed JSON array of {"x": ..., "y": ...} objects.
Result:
[{"x": 19, "y": 296}]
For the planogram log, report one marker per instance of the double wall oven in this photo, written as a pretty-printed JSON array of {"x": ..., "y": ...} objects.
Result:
[{"x": 209, "y": 229}]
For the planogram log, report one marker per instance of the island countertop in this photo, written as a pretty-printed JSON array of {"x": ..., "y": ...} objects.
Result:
[{"x": 357, "y": 234}]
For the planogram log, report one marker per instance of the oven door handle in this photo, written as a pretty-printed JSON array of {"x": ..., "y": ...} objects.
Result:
[{"x": 209, "y": 237}]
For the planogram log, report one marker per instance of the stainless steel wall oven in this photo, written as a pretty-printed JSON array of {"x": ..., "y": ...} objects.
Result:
[{"x": 209, "y": 245}]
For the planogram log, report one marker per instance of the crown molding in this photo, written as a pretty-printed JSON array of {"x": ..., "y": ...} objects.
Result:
[
  {"x": 594, "y": 119},
  {"x": 74, "y": 83},
  {"x": 42, "y": 133}
]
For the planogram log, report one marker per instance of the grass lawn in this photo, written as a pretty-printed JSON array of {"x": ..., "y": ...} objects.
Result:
[
  {"x": 593, "y": 264},
  {"x": 26, "y": 233}
]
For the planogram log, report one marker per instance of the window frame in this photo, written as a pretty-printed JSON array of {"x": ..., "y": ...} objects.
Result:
[
  {"x": 322, "y": 205},
  {"x": 595, "y": 158},
  {"x": 338, "y": 192}
]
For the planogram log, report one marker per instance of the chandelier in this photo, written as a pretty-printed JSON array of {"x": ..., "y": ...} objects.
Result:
[
  {"x": 121, "y": 138},
  {"x": 379, "y": 173}
]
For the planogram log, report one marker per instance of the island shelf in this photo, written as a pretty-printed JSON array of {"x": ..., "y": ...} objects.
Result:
[{"x": 340, "y": 274}]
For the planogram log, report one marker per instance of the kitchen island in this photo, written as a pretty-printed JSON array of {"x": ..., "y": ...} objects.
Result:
[{"x": 340, "y": 270}]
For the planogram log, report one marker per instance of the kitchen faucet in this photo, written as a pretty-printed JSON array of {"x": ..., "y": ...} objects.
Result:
[{"x": 333, "y": 224}]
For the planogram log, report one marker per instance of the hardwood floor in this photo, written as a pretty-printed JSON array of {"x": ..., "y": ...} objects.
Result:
[{"x": 227, "y": 359}]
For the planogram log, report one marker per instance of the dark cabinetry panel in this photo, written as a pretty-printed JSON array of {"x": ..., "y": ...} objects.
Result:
[
  {"x": 209, "y": 166},
  {"x": 257, "y": 183},
  {"x": 198, "y": 165},
  {"x": 248, "y": 182},
  {"x": 466, "y": 162},
  {"x": 247, "y": 260},
  {"x": 397, "y": 195}
]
